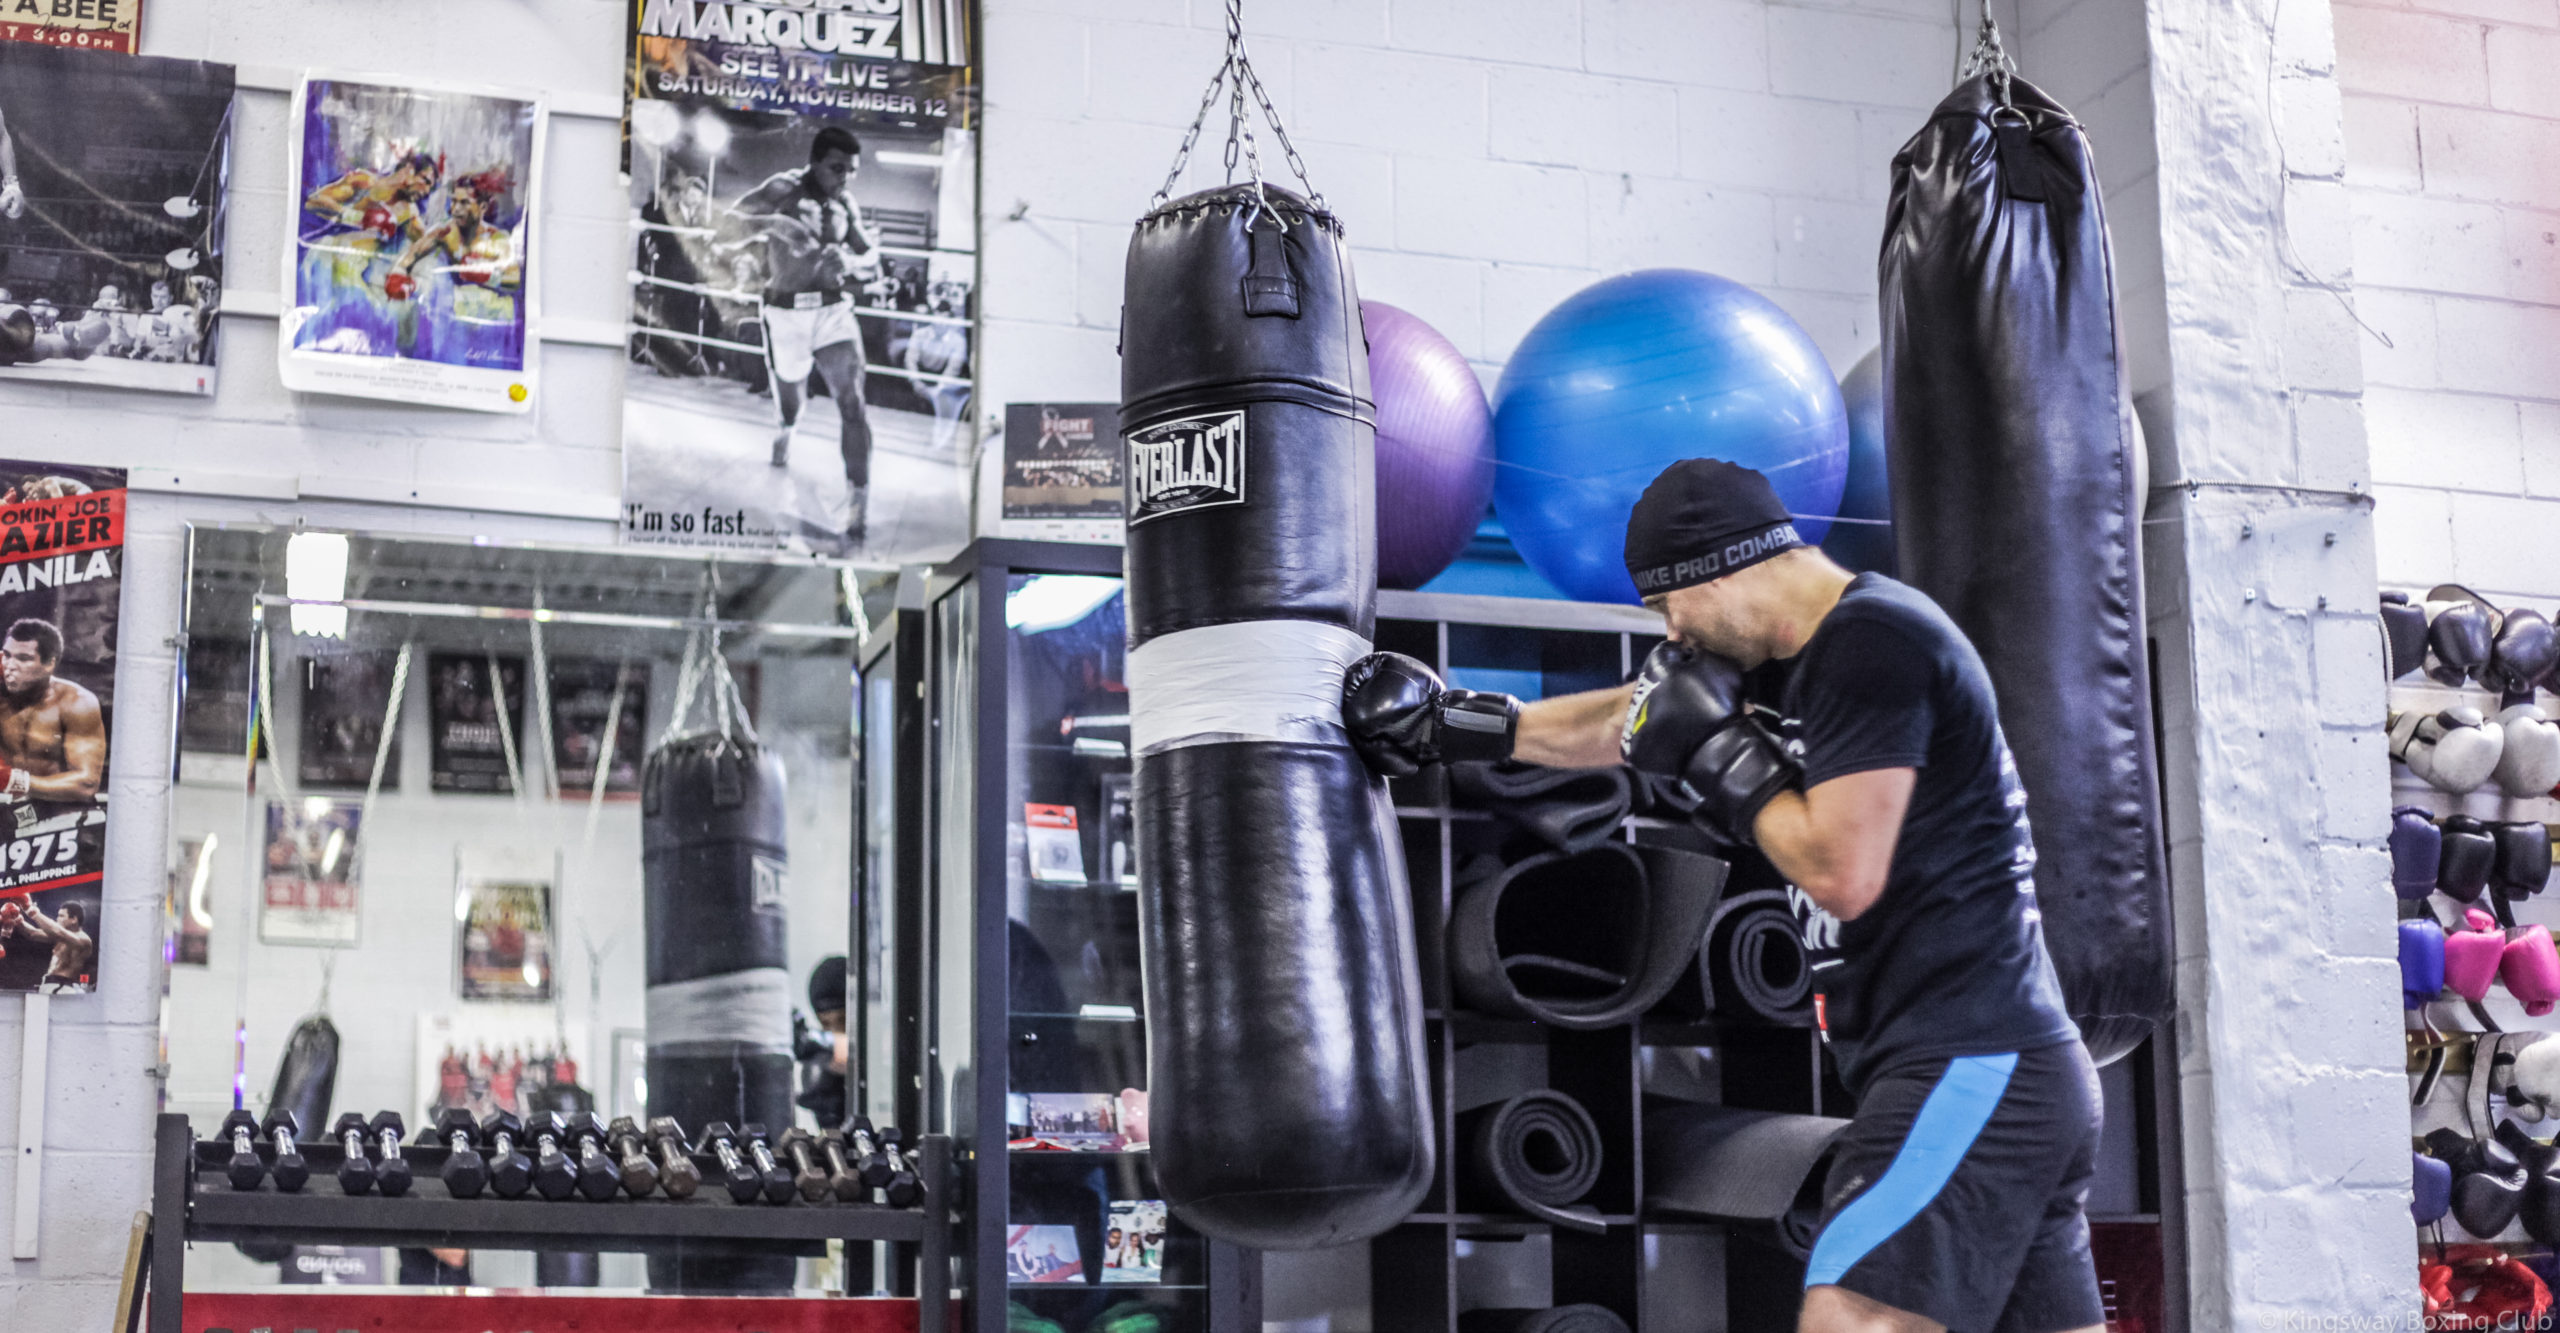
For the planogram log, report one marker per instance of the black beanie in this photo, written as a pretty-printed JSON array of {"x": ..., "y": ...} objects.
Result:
[
  {"x": 826, "y": 983},
  {"x": 1704, "y": 518}
]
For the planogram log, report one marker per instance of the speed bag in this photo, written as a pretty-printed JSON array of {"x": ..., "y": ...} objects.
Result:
[
  {"x": 1287, "y": 1087},
  {"x": 714, "y": 887},
  {"x": 2014, "y": 464}
]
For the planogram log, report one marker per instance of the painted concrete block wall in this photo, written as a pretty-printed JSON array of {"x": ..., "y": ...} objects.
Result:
[
  {"x": 2452, "y": 116},
  {"x": 2289, "y": 1075}
]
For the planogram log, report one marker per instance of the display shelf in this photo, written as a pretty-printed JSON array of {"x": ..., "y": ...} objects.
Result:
[{"x": 193, "y": 1201}]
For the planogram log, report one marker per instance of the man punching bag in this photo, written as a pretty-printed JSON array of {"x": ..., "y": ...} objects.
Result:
[
  {"x": 2014, "y": 464},
  {"x": 1287, "y": 1087},
  {"x": 714, "y": 882}
]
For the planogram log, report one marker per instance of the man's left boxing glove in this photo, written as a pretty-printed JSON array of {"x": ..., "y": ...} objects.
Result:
[
  {"x": 1686, "y": 720},
  {"x": 1403, "y": 720}
]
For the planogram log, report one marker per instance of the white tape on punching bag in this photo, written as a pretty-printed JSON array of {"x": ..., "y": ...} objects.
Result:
[{"x": 1260, "y": 680}]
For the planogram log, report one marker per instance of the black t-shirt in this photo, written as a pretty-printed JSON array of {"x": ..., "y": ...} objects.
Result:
[{"x": 1950, "y": 960}]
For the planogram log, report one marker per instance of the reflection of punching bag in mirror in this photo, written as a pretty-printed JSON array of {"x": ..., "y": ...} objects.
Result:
[
  {"x": 713, "y": 871},
  {"x": 307, "y": 1075}
]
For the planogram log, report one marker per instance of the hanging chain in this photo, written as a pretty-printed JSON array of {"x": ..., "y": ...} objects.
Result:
[
  {"x": 1990, "y": 57},
  {"x": 1237, "y": 76}
]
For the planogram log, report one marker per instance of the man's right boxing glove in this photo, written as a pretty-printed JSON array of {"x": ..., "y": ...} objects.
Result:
[
  {"x": 2459, "y": 634},
  {"x": 2421, "y": 963},
  {"x": 2416, "y": 846},
  {"x": 1403, "y": 720},
  {"x": 2455, "y": 750},
  {"x": 2531, "y": 968},
  {"x": 2472, "y": 955},
  {"x": 2462, "y": 871},
  {"x": 1687, "y": 720},
  {"x": 2528, "y": 751}
]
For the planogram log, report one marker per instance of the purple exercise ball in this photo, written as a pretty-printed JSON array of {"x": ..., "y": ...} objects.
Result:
[{"x": 1435, "y": 446}]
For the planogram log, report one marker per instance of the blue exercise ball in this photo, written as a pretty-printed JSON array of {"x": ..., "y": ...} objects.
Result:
[
  {"x": 1866, "y": 544},
  {"x": 1633, "y": 374}
]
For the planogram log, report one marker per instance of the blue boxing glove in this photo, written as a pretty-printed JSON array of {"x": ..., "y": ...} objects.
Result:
[
  {"x": 2416, "y": 845},
  {"x": 2421, "y": 963}
]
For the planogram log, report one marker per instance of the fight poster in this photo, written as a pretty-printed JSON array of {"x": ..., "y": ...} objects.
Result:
[
  {"x": 803, "y": 267},
  {"x": 61, "y": 576},
  {"x": 478, "y": 743},
  {"x": 346, "y": 703},
  {"x": 86, "y": 25},
  {"x": 410, "y": 275},
  {"x": 599, "y": 715},
  {"x": 307, "y": 892},
  {"x": 114, "y": 170},
  {"x": 1058, "y": 475}
]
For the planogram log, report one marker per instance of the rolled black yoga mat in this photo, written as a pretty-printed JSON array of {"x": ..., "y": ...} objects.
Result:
[
  {"x": 1755, "y": 964},
  {"x": 1537, "y": 1153},
  {"x": 1562, "y": 1319},
  {"x": 1754, "y": 1167},
  {"x": 1583, "y": 940},
  {"x": 1569, "y": 809}
]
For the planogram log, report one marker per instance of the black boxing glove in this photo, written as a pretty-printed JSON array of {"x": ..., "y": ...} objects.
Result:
[
  {"x": 2404, "y": 635},
  {"x": 2522, "y": 865},
  {"x": 1686, "y": 719},
  {"x": 1403, "y": 720},
  {"x": 2524, "y": 651},
  {"x": 2462, "y": 867},
  {"x": 2458, "y": 638}
]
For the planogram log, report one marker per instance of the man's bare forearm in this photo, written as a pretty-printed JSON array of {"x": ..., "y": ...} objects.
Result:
[{"x": 1573, "y": 730}]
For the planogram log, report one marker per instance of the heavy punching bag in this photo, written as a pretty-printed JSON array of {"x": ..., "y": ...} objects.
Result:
[
  {"x": 2016, "y": 505},
  {"x": 1287, "y": 1086},
  {"x": 713, "y": 870}
]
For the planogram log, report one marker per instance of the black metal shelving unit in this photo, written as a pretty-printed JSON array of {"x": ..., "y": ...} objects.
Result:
[{"x": 192, "y": 1201}]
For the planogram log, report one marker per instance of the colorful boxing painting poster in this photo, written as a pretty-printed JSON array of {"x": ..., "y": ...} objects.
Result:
[
  {"x": 308, "y": 889},
  {"x": 113, "y": 175},
  {"x": 61, "y": 583},
  {"x": 804, "y": 253},
  {"x": 502, "y": 938},
  {"x": 410, "y": 273}
]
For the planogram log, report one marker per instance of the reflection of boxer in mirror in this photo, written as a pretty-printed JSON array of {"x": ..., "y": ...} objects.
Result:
[
  {"x": 53, "y": 739},
  {"x": 73, "y": 950}
]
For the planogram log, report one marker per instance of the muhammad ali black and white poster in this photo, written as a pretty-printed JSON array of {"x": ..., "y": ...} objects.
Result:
[
  {"x": 61, "y": 580},
  {"x": 803, "y": 184},
  {"x": 113, "y": 175}
]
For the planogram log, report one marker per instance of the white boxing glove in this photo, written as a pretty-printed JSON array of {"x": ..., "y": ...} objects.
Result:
[
  {"x": 2529, "y": 756},
  {"x": 2533, "y": 1089},
  {"x": 2454, "y": 751}
]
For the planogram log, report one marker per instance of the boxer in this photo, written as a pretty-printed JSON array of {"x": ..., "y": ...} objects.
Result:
[
  {"x": 1956, "y": 1196},
  {"x": 74, "y": 951},
  {"x": 53, "y": 738}
]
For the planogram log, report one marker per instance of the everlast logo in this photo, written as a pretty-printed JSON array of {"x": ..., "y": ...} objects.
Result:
[
  {"x": 1731, "y": 556},
  {"x": 1194, "y": 463}
]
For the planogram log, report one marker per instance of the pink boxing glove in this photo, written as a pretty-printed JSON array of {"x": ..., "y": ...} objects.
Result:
[
  {"x": 2471, "y": 955},
  {"x": 2531, "y": 968}
]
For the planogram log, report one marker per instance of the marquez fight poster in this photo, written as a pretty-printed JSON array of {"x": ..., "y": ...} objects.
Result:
[
  {"x": 803, "y": 192},
  {"x": 410, "y": 276},
  {"x": 61, "y": 576},
  {"x": 114, "y": 170}
]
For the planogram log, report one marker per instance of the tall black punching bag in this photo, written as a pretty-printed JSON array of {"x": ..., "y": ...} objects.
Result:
[
  {"x": 714, "y": 877},
  {"x": 2014, "y": 461},
  {"x": 1287, "y": 1086}
]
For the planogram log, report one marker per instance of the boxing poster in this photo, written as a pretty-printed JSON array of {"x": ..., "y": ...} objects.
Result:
[
  {"x": 502, "y": 938},
  {"x": 410, "y": 274},
  {"x": 1060, "y": 476},
  {"x": 599, "y": 714},
  {"x": 114, "y": 170},
  {"x": 307, "y": 892},
  {"x": 86, "y": 25},
  {"x": 477, "y": 743},
  {"x": 61, "y": 580},
  {"x": 346, "y": 699},
  {"x": 803, "y": 269}
]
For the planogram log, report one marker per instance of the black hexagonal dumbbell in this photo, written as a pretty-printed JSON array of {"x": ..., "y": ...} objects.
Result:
[
  {"x": 510, "y": 1174},
  {"x": 280, "y": 1128},
  {"x": 466, "y": 1172},
  {"x": 390, "y": 1169},
  {"x": 631, "y": 1153},
  {"x": 872, "y": 1163},
  {"x": 744, "y": 1182},
  {"x": 355, "y": 1170},
  {"x": 840, "y": 1170},
  {"x": 800, "y": 1154},
  {"x": 776, "y": 1180},
  {"x": 246, "y": 1168},
  {"x": 903, "y": 1188},
  {"x": 677, "y": 1173},
  {"x": 598, "y": 1177},
  {"x": 555, "y": 1177}
]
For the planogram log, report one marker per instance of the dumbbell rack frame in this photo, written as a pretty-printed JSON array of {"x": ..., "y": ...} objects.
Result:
[{"x": 188, "y": 1185}]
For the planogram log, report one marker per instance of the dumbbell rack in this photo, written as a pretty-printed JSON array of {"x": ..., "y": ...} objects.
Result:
[{"x": 189, "y": 1187}]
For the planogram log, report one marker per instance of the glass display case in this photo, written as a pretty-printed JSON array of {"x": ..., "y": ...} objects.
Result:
[{"x": 1036, "y": 1062}]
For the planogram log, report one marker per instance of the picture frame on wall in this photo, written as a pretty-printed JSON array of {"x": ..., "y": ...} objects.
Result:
[{"x": 503, "y": 939}]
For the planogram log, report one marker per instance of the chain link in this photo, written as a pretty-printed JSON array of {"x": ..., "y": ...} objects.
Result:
[
  {"x": 1990, "y": 57},
  {"x": 1237, "y": 76}
]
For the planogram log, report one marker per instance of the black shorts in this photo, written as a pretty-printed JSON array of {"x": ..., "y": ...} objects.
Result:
[{"x": 1956, "y": 1193}]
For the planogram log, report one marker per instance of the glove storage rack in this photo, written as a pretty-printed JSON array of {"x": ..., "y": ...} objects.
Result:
[{"x": 192, "y": 1201}]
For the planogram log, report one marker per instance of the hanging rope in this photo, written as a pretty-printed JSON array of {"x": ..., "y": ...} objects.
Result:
[{"x": 1237, "y": 76}]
